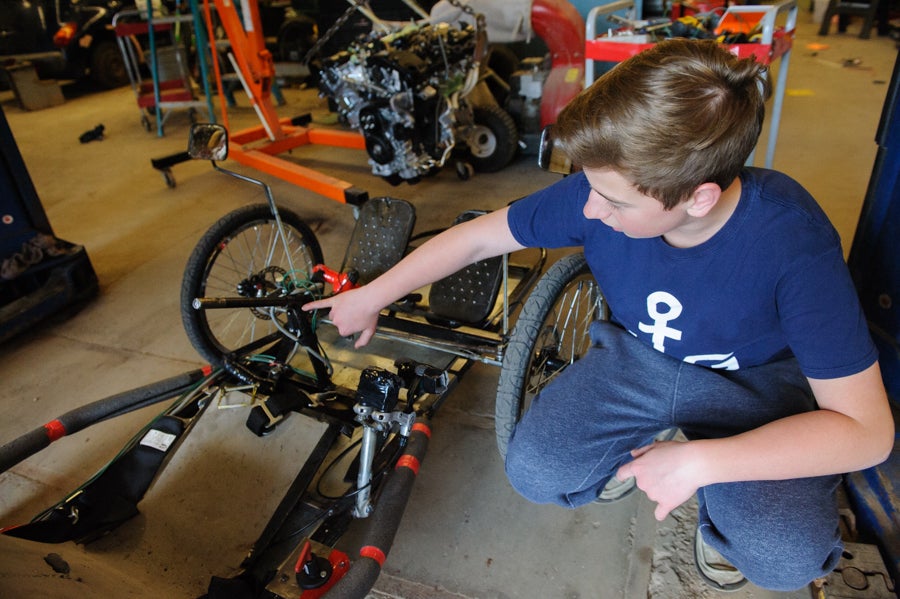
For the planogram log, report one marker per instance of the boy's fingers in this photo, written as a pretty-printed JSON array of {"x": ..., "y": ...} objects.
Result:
[
  {"x": 636, "y": 453},
  {"x": 364, "y": 338},
  {"x": 316, "y": 305}
]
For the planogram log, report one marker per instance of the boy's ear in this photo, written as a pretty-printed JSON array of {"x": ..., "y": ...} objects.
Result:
[{"x": 704, "y": 198}]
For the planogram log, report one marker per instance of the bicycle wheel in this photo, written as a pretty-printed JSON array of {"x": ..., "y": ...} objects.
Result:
[
  {"x": 550, "y": 333},
  {"x": 242, "y": 255}
]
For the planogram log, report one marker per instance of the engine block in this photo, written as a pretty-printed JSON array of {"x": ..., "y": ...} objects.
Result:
[{"x": 405, "y": 93}]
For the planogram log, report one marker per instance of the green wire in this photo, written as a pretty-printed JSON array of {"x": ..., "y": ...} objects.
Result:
[{"x": 268, "y": 358}]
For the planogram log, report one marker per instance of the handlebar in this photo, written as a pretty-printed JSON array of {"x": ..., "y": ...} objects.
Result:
[{"x": 211, "y": 303}]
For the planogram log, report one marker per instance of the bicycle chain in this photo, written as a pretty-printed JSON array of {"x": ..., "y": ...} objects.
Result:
[
  {"x": 333, "y": 29},
  {"x": 479, "y": 18},
  {"x": 462, "y": 6}
]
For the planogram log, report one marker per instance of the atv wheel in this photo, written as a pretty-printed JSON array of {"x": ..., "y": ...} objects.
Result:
[{"x": 493, "y": 140}]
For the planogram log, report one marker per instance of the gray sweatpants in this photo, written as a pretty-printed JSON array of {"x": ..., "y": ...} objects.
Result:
[{"x": 578, "y": 431}]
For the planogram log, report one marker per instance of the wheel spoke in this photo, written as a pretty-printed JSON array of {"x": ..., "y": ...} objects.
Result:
[
  {"x": 244, "y": 254},
  {"x": 552, "y": 332}
]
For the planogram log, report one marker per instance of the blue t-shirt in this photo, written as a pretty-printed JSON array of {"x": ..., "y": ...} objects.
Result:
[{"x": 770, "y": 284}]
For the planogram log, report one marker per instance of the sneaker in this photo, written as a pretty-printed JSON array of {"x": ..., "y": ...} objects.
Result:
[
  {"x": 616, "y": 490},
  {"x": 714, "y": 569}
]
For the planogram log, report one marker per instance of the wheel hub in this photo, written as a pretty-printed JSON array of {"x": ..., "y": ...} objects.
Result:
[
  {"x": 482, "y": 142},
  {"x": 548, "y": 363},
  {"x": 261, "y": 284}
]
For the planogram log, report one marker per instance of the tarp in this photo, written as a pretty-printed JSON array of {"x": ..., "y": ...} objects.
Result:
[{"x": 507, "y": 20}]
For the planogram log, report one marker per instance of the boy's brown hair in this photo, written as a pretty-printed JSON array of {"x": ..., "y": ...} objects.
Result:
[{"x": 680, "y": 114}]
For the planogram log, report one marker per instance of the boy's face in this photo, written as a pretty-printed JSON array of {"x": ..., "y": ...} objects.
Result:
[{"x": 617, "y": 204}]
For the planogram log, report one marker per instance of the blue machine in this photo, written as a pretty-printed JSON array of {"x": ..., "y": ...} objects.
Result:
[
  {"x": 875, "y": 265},
  {"x": 55, "y": 284}
]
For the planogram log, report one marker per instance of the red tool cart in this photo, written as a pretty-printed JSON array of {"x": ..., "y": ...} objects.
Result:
[
  {"x": 170, "y": 86},
  {"x": 770, "y": 29}
]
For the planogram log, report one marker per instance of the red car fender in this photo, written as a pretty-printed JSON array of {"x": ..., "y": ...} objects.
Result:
[{"x": 561, "y": 26}]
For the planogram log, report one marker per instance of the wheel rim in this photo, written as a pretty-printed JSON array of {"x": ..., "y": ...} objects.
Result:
[
  {"x": 565, "y": 334},
  {"x": 252, "y": 263},
  {"x": 108, "y": 67},
  {"x": 483, "y": 142}
]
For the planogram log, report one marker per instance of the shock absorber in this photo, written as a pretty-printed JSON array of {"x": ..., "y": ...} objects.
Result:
[{"x": 376, "y": 398}]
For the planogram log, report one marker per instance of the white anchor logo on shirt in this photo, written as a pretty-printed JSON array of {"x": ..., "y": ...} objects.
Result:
[{"x": 660, "y": 328}]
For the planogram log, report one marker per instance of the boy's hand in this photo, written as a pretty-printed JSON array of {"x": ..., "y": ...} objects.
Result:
[
  {"x": 664, "y": 471},
  {"x": 350, "y": 313}
]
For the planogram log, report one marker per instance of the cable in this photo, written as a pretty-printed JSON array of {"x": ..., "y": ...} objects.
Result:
[{"x": 335, "y": 509}]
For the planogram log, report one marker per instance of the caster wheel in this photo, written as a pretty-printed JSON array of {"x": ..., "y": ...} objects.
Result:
[{"x": 464, "y": 171}]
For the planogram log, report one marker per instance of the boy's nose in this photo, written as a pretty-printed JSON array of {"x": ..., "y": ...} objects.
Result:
[{"x": 596, "y": 207}]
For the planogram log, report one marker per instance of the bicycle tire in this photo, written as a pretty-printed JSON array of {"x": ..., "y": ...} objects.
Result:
[
  {"x": 551, "y": 332},
  {"x": 241, "y": 254}
]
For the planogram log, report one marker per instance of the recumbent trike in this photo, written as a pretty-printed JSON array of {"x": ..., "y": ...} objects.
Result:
[{"x": 242, "y": 291}]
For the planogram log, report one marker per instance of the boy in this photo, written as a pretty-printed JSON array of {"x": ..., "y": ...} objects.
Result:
[{"x": 734, "y": 320}]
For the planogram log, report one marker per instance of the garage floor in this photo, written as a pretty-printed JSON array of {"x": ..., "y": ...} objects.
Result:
[{"x": 465, "y": 533}]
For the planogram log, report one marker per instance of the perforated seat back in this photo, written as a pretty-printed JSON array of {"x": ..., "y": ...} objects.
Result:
[
  {"x": 380, "y": 237},
  {"x": 468, "y": 295}
]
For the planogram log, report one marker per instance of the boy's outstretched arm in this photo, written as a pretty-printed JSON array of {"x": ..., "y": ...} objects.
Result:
[
  {"x": 852, "y": 430},
  {"x": 356, "y": 311}
]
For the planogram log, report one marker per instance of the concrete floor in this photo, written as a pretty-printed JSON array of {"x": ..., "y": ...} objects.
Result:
[{"x": 465, "y": 532}]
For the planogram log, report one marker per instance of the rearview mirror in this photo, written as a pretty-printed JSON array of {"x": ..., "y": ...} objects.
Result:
[
  {"x": 552, "y": 158},
  {"x": 208, "y": 141}
]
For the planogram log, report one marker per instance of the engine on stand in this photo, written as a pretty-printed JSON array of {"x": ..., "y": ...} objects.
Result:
[{"x": 416, "y": 97}]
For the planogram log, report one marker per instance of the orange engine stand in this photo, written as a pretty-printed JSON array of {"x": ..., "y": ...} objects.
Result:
[{"x": 258, "y": 147}]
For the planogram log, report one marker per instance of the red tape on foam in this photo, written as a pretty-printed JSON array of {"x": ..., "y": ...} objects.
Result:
[
  {"x": 408, "y": 461},
  {"x": 372, "y": 552},
  {"x": 422, "y": 428},
  {"x": 55, "y": 430}
]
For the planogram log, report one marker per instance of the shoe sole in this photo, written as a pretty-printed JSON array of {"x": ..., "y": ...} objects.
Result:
[{"x": 725, "y": 588}]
